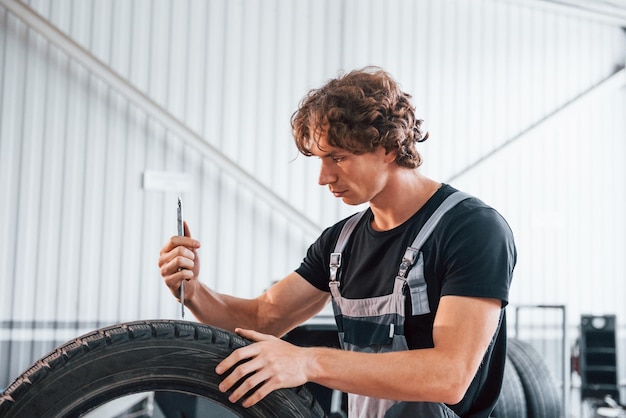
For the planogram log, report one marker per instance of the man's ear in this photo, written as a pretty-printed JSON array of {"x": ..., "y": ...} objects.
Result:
[{"x": 391, "y": 156}]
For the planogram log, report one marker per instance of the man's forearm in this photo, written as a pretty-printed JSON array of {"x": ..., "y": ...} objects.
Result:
[
  {"x": 223, "y": 311},
  {"x": 416, "y": 375}
]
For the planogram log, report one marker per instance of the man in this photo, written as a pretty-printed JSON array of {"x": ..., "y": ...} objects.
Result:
[{"x": 418, "y": 281}]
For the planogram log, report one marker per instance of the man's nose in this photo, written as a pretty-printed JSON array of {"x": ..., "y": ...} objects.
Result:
[{"x": 326, "y": 174}]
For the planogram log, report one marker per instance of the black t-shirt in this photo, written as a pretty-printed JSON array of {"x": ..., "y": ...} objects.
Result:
[{"x": 471, "y": 252}]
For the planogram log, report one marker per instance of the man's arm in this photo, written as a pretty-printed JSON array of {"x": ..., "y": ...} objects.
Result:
[
  {"x": 283, "y": 306},
  {"x": 278, "y": 310},
  {"x": 463, "y": 329}
]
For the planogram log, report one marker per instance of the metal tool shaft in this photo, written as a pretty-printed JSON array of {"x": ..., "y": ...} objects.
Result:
[{"x": 181, "y": 232}]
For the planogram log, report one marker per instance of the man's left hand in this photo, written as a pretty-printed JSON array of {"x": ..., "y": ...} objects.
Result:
[{"x": 267, "y": 364}]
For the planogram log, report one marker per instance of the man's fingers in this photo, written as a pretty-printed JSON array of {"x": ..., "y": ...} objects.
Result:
[
  {"x": 176, "y": 259},
  {"x": 252, "y": 371},
  {"x": 242, "y": 363},
  {"x": 253, "y": 335},
  {"x": 234, "y": 358},
  {"x": 172, "y": 267},
  {"x": 254, "y": 383},
  {"x": 248, "y": 375},
  {"x": 262, "y": 389},
  {"x": 180, "y": 241},
  {"x": 243, "y": 353}
]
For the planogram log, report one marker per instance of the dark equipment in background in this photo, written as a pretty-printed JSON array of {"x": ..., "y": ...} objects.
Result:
[{"x": 597, "y": 359}]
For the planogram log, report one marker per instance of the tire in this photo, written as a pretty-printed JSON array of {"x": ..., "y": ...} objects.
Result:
[
  {"x": 511, "y": 403},
  {"x": 137, "y": 357},
  {"x": 542, "y": 397}
]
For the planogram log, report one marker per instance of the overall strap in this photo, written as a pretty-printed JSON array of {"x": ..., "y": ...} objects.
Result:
[
  {"x": 344, "y": 236},
  {"x": 411, "y": 254},
  {"x": 450, "y": 202},
  {"x": 416, "y": 280}
]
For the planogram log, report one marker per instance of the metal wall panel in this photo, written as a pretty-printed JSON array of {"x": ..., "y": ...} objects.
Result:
[{"x": 493, "y": 80}]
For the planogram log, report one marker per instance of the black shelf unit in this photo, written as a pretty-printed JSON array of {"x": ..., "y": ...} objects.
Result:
[{"x": 598, "y": 357}]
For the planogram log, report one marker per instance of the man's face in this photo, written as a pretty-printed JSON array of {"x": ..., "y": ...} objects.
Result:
[{"x": 355, "y": 178}]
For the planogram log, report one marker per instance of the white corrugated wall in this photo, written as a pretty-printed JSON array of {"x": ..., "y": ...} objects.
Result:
[{"x": 80, "y": 236}]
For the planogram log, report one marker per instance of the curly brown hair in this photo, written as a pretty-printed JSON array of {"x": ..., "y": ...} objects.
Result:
[{"x": 358, "y": 112}]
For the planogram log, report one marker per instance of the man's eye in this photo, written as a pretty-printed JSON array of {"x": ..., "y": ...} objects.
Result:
[{"x": 338, "y": 159}]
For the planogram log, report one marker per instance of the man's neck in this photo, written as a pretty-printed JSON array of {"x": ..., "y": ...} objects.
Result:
[{"x": 404, "y": 195}]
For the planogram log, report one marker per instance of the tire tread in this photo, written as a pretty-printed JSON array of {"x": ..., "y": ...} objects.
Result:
[
  {"x": 542, "y": 397},
  {"x": 119, "y": 337}
]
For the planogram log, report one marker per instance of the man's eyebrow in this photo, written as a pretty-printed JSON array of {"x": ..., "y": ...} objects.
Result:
[{"x": 331, "y": 154}]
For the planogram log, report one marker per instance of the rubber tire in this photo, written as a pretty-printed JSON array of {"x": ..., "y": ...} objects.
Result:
[
  {"x": 138, "y": 357},
  {"x": 542, "y": 397},
  {"x": 511, "y": 403}
]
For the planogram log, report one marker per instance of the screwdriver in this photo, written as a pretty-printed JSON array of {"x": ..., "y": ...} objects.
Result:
[{"x": 181, "y": 232}]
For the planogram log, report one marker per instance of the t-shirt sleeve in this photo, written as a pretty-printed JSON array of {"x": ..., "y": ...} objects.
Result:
[
  {"x": 314, "y": 267},
  {"x": 480, "y": 256}
]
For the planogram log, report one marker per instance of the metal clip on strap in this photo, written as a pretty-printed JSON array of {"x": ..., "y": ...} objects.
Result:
[
  {"x": 335, "y": 263},
  {"x": 410, "y": 255},
  {"x": 335, "y": 258}
]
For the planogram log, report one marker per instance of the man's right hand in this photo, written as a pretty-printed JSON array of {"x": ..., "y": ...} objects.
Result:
[{"x": 178, "y": 261}]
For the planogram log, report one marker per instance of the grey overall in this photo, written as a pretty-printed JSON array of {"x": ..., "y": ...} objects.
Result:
[{"x": 376, "y": 325}]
